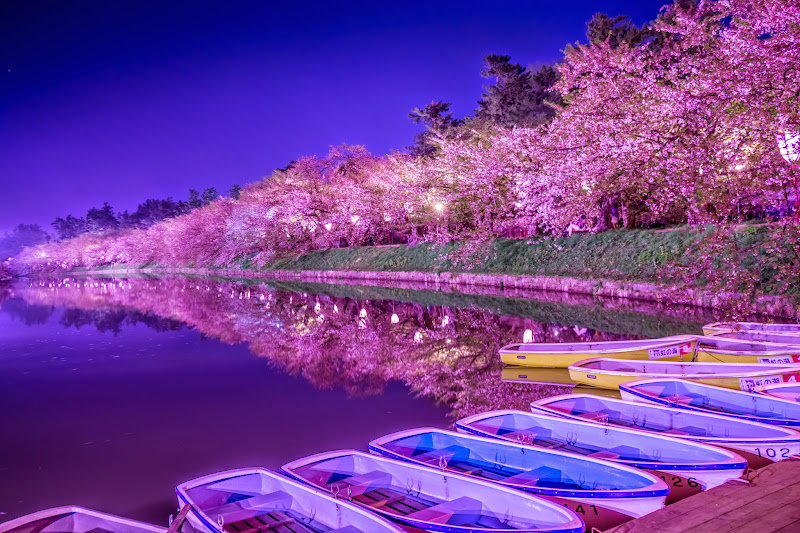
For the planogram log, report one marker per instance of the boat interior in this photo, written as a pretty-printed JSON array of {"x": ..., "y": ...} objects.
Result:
[
  {"x": 719, "y": 400},
  {"x": 663, "y": 420},
  {"x": 509, "y": 464},
  {"x": 672, "y": 368}
]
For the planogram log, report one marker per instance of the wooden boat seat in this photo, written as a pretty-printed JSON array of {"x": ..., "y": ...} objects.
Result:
[
  {"x": 357, "y": 485},
  {"x": 248, "y": 507},
  {"x": 434, "y": 457},
  {"x": 550, "y": 444},
  {"x": 523, "y": 478},
  {"x": 274, "y": 522},
  {"x": 674, "y": 431},
  {"x": 396, "y": 502},
  {"x": 680, "y": 398},
  {"x": 454, "y": 512},
  {"x": 604, "y": 454},
  {"x": 594, "y": 415},
  {"x": 522, "y": 435}
]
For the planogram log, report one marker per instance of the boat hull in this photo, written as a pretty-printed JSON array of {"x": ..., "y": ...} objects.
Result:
[
  {"x": 586, "y": 373},
  {"x": 768, "y": 443},
  {"x": 562, "y": 355},
  {"x": 755, "y": 327},
  {"x": 707, "y": 399},
  {"x": 73, "y": 519},
  {"x": 257, "y": 499},
  {"x": 633, "y": 493},
  {"x": 431, "y": 500},
  {"x": 686, "y": 467},
  {"x": 784, "y": 391}
]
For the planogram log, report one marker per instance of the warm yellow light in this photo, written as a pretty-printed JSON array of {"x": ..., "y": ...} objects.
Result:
[
  {"x": 395, "y": 318},
  {"x": 439, "y": 206},
  {"x": 527, "y": 336}
]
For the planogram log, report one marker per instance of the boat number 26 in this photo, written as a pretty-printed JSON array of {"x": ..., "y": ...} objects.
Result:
[{"x": 772, "y": 452}]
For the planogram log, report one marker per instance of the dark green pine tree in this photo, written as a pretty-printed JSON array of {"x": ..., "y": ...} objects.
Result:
[{"x": 518, "y": 97}]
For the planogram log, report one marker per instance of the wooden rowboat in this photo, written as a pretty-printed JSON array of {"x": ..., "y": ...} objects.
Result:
[
  {"x": 428, "y": 499},
  {"x": 758, "y": 336},
  {"x": 562, "y": 355},
  {"x": 538, "y": 376},
  {"x": 781, "y": 329},
  {"x": 784, "y": 391},
  {"x": 260, "y": 501},
  {"x": 73, "y": 519},
  {"x": 686, "y": 466},
  {"x": 616, "y": 492},
  {"x": 611, "y": 373},
  {"x": 710, "y": 399},
  {"x": 759, "y": 443},
  {"x": 718, "y": 349}
]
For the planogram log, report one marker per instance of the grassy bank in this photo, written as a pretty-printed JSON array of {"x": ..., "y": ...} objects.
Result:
[{"x": 621, "y": 254}]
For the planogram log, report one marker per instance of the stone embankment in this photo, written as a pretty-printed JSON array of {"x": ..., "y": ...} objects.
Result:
[{"x": 775, "y": 306}]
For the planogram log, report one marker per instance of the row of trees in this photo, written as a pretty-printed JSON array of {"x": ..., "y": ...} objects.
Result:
[
  {"x": 675, "y": 123},
  {"x": 147, "y": 213}
]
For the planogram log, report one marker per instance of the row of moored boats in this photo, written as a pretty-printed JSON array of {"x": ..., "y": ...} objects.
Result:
[{"x": 573, "y": 463}]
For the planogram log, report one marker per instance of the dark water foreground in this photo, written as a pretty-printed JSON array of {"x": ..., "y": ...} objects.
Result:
[{"x": 112, "y": 391}]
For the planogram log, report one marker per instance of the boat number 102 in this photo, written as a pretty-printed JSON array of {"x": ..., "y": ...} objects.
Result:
[{"x": 772, "y": 453}]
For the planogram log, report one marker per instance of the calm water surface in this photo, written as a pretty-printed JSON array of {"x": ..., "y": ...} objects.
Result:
[{"x": 112, "y": 391}]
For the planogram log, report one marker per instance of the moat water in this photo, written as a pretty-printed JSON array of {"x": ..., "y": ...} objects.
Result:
[{"x": 114, "y": 390}]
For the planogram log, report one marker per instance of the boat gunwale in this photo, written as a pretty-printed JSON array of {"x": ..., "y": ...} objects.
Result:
[
  {"x": 514, "y": 348},
  {"x": 769, "y": 369},
  {"x": 786, "y": 422},
  {"x": 182, "y": 488},
  {"x": 706, "y": 465},
  {"x": 791, "y": 437},
  {"x": 645, "y": 492},
  {"x": 72, "y": 509},
  {"x": 732, "y": 327},
  {"x": 764, "y": 389},
  {"x": 286, "y": 469}
]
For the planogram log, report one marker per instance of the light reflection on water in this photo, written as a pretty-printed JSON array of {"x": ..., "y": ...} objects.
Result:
[{"x": 112, "y": 391}]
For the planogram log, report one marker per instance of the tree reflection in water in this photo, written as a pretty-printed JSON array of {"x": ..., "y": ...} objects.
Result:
[{"x": 446, "y": 353}]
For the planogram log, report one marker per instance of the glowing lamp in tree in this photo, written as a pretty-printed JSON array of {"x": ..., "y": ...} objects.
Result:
[{"x": 789, "y": 145}]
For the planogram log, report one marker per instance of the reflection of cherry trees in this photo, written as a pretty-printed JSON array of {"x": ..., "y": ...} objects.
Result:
[{"x": 446, "y": 353}]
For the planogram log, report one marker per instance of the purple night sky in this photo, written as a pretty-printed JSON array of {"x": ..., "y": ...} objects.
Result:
[{"x": 125, "y": 100}]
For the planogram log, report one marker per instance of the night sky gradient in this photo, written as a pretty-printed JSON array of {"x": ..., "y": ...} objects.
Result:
[{"x": 125, "y": 100}]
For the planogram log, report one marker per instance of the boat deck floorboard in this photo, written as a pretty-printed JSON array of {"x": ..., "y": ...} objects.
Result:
[
  {"x": 273, "y": 522},
  {"x": 767, "y": 503}
]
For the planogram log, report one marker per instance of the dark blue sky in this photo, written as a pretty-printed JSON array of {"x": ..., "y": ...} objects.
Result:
[{"x": 125, "y": 100}]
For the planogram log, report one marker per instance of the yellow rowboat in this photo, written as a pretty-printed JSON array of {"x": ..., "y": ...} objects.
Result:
[
  {"x": 784, "y": 391},
  {"x": 758, "y": 336},
  {"x": 563, "y": 354},
  {"x": 611, "y": 373},
  {"x": 717, "y": 349},
  {"x": 755, "y": 327},
  {"x": 594, "y": 391},
  {"x": 538, "y": 376}
]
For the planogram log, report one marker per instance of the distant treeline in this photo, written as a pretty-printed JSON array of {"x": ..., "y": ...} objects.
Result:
[{"x": 105, "y": 218}]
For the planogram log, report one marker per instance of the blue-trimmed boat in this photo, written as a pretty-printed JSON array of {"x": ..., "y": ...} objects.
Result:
[
  {"x": 428, "y": 499},
  {"x": 256, "y": 500},
  {"x": 686, "y": 466},
  {"x": 784, "y": 391},
  {"x": 709, "y": 399},
  {"x": 592, "y": 482},
  {"x": 74, "y": 519},
  {"x": 755, "y": 327},
  {"x": 759, "y": 443}
]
